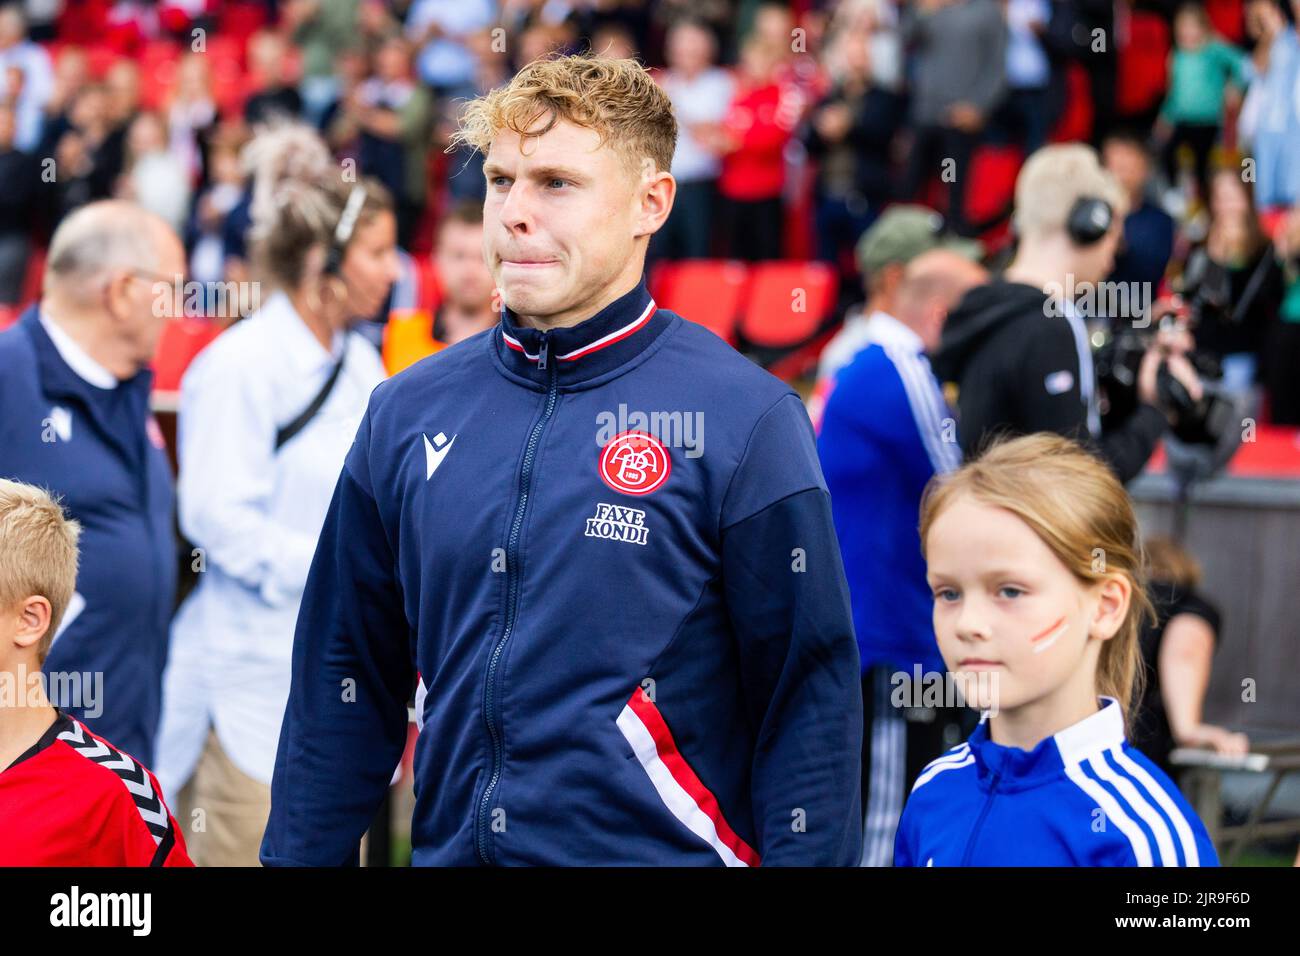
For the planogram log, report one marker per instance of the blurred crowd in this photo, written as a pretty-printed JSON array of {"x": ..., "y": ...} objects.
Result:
[
  {"x": 881, "y": 137},
  {"x": 799, "y": 121}
]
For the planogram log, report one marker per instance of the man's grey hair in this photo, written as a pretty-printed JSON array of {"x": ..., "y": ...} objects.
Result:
[{"x": 98, "y": 238}]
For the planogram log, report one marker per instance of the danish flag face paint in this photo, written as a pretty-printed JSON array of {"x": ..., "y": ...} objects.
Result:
[{"x": 1042, "y": 641}]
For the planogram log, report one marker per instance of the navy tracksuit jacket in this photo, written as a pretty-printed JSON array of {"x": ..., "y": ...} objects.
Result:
[
  {"x": 97, "y": 450},
  {"x": 629, "y": 652}
]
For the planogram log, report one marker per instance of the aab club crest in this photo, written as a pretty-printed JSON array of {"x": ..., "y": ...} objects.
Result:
[{"x": 634, "y": 463}]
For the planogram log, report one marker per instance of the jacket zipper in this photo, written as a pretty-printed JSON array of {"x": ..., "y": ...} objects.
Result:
[
  {"x": 490, "y": 697},
  {"x": 979, "y": 822}
]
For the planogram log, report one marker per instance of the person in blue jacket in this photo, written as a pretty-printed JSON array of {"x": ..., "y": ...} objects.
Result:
[
  {"x": 75, "y": 419},
  {"x": 886, "y": 431},
  {"x": 632, "y": 633},
  {"x": 1035, "y": 563}
]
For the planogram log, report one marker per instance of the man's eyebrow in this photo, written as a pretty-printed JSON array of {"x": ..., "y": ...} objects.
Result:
[{"x": 492, "y": 170}]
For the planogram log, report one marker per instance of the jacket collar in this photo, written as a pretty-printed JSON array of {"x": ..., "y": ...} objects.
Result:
[
  {"x": 75, "y": 357},
  {"x": 59, "y": 382},
  {"x": 884, "y": 329},
  {"x": 610, "y": 339},
  {"x": 62, "y": 722},
  {"x": 57, "y": 377},
  {"x": 1019, "y": 769}
]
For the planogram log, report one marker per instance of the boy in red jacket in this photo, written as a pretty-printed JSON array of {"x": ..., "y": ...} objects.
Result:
[{"x": 67, "y": 797}]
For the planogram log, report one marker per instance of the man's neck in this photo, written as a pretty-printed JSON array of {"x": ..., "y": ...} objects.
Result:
[
  {"x": 1043, "y": 272},
  {"x": 91, "y": 336},
  {"x": 878, "y": 303},
  {"x": 581, "y": 313}
]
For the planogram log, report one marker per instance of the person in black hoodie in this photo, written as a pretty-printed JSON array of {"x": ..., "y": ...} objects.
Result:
[{"x": 1017, "y": 348}]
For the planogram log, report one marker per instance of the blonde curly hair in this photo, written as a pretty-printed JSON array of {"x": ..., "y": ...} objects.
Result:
[{"x": 617, "y": 98}]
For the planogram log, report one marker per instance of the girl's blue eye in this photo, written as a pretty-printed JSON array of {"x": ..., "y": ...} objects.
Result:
[
  {"x": 945, "y": 594},
  {"x": 560, "y": 181},
  {"x": 1010, "y": 591}
]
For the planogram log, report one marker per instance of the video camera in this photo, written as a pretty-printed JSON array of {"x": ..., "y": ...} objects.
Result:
[{"x": 1210, "y": 425}]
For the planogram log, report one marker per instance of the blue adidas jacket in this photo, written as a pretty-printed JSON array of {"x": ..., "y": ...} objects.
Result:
[
  {"x": 630, "y": 652},
  {"x": 1083, "y": 797},
  {"x": 885, "y": 431},
  {"x": 98, "y": 450}
]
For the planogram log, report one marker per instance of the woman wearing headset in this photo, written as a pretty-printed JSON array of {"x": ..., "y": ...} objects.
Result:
[{"x": 267, "y": 414}]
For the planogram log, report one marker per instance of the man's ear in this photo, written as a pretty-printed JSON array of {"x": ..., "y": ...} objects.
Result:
[
  {"x": 33, "y": 621},
  {"x": 117, "y": 293},
  {"x": 657, "y": 191},
  {"x": 1114, "y": 594}
]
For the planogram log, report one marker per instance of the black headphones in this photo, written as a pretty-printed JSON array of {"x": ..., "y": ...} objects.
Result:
[
  {"x": 1089, "y": 220},
  {"x": 343, "y": 231}
]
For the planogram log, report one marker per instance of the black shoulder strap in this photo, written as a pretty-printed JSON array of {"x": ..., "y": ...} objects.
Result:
[
  {"x": 287, "y": 433},
  {"x": 1253, "y": 285}
]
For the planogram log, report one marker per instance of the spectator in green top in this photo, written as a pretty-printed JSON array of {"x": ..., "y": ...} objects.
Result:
[{"x": 1201, "y": 67}]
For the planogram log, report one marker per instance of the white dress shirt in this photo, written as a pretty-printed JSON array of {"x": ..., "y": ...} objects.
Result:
[
  {"x": 75, "y": 357},
  {"x": 256, "y": 514}
]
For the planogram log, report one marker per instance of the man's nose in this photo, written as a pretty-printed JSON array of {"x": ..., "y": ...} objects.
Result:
[{"x": 516, "y": 210}]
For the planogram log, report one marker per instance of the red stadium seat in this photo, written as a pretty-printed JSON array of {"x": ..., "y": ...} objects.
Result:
[
  {"x": 226, "y": 63},
  {"x": 8, "y": 316},
  {"x": 788, "y": 303},
  {"x": 241, "y": 19},
  {"x": 158, "y": 65},
  {"x": 100, "y": 59},
  {"x": 84, "y": 22},
  {"x": 708, "y": 291},
  {"x": 182, "y": 339},
  {"x": 1075, "y": 122}
]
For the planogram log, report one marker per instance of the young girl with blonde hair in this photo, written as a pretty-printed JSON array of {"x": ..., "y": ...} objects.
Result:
[{"x": 1035, "y": 561}]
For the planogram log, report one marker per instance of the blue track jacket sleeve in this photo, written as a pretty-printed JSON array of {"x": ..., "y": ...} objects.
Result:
[
  {"x": 345, "y": 724},
  {"x": 789, "y": 606},
  {"x": 903, "y": 854}
]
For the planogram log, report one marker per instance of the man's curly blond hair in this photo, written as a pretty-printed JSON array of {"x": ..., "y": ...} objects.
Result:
[{"x": 616, "y": 98}]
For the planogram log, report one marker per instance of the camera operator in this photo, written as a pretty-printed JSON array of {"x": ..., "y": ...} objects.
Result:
[{"x": 1018, "y": 349}]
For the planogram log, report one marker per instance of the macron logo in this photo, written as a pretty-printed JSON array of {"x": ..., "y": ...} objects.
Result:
[{"x": 435, "y": 451}]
